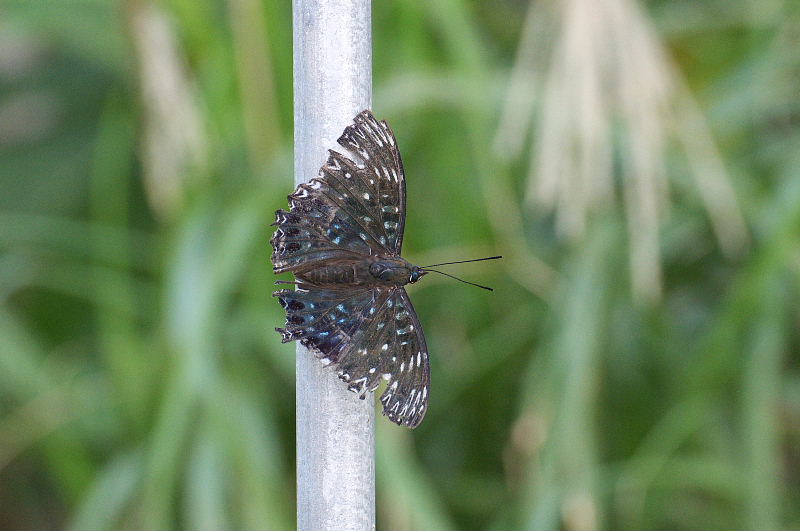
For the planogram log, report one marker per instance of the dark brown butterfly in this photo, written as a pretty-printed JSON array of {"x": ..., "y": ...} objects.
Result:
[{"x": 342, "y": 238}]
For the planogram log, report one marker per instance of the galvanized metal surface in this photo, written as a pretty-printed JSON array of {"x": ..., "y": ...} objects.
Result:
[{"x": 335, "y": 430}]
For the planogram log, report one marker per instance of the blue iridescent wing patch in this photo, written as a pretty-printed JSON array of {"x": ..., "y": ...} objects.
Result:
[
  {"x": 306, "y": 238},
  {"x": 326, "y": 320}
]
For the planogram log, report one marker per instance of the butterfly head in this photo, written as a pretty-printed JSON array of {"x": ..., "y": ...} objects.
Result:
[{"x": 416, "y": 274}]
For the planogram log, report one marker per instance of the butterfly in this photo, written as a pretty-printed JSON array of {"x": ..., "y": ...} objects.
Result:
[{"x": 342, "y": 238}]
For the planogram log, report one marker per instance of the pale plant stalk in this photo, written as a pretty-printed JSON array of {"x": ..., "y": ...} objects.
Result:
[
  {"x": 602, "y": 80},
  {"x": 174, "y": 143}
]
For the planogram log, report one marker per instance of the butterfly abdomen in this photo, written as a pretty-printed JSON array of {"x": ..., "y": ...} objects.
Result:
[
  {"x": 337, "y": 275},
  {"x": 373, "y": 271}
]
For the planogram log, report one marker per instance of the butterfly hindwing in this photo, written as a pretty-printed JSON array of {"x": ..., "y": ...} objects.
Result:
[
  {"x": 326, "y": 320},
  {"x": 367, "y": 335},
  {"x": 391, "y": 346},
  {"x": 405, "y": 399}
]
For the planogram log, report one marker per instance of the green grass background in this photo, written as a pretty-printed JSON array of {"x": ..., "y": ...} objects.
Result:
[{"x": 142, "y": 385}]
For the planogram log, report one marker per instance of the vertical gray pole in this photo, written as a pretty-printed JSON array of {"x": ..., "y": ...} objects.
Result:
[{"x": 335, "y": 430}]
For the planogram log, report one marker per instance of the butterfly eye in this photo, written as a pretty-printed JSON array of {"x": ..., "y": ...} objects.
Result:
[{"x": 416, "y": 274}]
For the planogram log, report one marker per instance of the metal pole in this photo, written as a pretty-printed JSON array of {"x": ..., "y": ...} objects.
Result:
[{"x": 335, "y": 430}]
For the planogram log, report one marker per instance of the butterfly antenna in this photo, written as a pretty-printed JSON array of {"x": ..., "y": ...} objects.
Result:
[
  {"x": 463, "y": 262},
  {"x": 459, "y": 279}
]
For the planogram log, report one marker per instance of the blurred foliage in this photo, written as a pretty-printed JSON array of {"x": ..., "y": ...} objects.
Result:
[{"x": 143, "y": 150}]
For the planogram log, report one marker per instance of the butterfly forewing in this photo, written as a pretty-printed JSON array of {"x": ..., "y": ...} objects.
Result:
[
  {"x": 374, "y": 143},
  {"x": 350, "y": 208},
  {"x": 345, "y": 183},
  {"x": 316, "y": 230}
]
